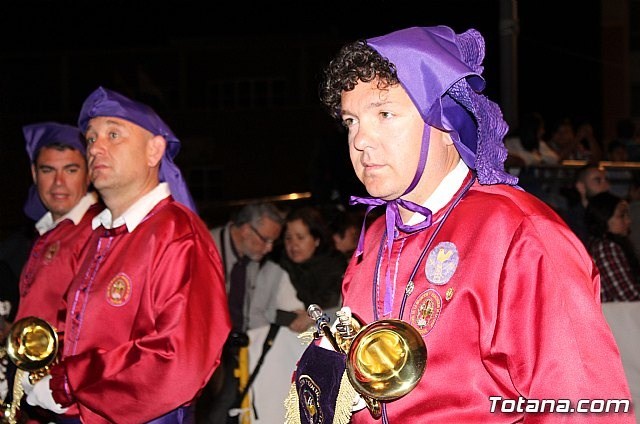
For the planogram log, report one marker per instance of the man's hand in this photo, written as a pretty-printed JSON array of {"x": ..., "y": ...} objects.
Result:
[
  {"x": 40, "y": 395},
  {"x": 302, "y": 322}
]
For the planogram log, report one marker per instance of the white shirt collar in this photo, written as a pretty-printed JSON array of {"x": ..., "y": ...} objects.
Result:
[
  {"x": 46, "y": 223},
  {"x": 445, "y": 191},
  {"x": 133, "y": 216}
]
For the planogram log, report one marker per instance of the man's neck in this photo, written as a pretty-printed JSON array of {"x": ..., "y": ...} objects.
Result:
[{"x": 118, "y": 202}]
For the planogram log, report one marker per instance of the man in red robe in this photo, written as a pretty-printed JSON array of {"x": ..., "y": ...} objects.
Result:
[
  {"x": 62, "y": 206},
  {"x": 147, "y": 313},
  {"x": 501, "y": 291}
]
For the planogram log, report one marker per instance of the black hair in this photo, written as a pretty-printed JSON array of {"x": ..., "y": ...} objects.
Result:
[
  {"x": 315, "y": 222},
  {"x": 355, "y": 61}
]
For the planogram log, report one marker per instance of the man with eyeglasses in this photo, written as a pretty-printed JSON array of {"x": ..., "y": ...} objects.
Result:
[{"x": 252, "y": 287}]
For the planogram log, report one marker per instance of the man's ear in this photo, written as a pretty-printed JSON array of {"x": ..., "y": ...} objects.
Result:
[
  {"x": 33, "y": 173},
  {"x": 155, "y": 150},
  {"x": 441, "y": 135},
  {"x": 446, "y": 138}
]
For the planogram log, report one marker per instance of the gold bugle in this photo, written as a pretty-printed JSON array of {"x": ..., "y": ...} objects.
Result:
[
  {"x": 385, "y": 360},
  {"x": 32, "y": 344}
]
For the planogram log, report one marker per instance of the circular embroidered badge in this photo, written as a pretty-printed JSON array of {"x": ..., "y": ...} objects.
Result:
[
  {"x": 425, "y": 311},
  {"x": 309, "y": 395},
  {"x": 119, "y": 290},
  {"x": 441, "y": 263}
]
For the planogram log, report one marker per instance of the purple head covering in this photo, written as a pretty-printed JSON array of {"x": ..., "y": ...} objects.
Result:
[
  {"x": 104, "y": 102},
  {"x": 41, "y": 135},
  {"x": 441, "y": 72}
]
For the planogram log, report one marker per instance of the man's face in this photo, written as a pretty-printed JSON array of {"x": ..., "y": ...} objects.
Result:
[
  {"x": 119, "y": 158},
  {"x": 61, "y": 179},
  {"x": 258, "y": 239},
  {"x": 385, "y": 137},
  {"x": 595, "y": 182}
]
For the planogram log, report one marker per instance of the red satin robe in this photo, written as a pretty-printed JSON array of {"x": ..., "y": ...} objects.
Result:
[
  {"x": 52, "y": 264},
  {"x": 507, "y": 302},
  {"x": 147, "y": 318}
]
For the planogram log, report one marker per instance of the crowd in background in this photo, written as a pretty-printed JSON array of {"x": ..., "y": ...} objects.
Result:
[{"x": 307, "y": 246}]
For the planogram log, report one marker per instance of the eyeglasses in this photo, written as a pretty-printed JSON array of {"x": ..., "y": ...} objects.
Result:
[{"x": 262, "y": 238}]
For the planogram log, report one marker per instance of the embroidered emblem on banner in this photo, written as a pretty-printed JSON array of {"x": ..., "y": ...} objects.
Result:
[
  {"x": 119, "y": 290},
  {"x": 441, "y": 263},
  {"x": 52, "y": 251},
  {"x": 425, "y": 311},
  {"x": 309, "y": 394}
]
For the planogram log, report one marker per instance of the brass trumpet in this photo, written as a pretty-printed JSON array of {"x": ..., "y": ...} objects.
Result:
[
  {"x": 385, "y": 359},
  {"x": 32, "y": 345}
]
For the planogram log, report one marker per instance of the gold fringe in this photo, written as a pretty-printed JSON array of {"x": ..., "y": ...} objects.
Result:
[
  {"x": 344, "y": 402},
  {"x": 291, "y": 406},
  {"x": 343, "y": 409},
  {"x": 306, "y": 337},
  {"x": 10, "y": 411}
]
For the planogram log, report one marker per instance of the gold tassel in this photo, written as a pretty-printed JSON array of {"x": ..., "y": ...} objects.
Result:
[
  {"x": 344, "y": 402},
  {"x": 291, "y": 406},
  {"x": 343, "y": 407},
  {"x": 11, "y": 411},
  {"x": 306, "y": 337}
]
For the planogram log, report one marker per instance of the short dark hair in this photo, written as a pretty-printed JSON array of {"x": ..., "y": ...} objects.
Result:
[
  {"x": 57, "y": 145},
  {"x": 600, "y": 209}
]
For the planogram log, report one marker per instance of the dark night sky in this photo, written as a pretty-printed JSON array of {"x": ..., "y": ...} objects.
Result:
[
  {"x": 558, "y": 51},
  {"x": 104, "y": 24},
  {"x": 558, "y": 43}
]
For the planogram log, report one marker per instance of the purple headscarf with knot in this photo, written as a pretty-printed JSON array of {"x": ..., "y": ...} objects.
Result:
[
  {"x": 41, "y": 135},
  {"x": 441, "y": 72},
  {"x": 104, "y": 102}
]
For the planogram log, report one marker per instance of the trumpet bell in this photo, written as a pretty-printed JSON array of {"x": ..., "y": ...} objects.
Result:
[
  {"x": 32, "y": 344},
  {"x": 386, "y": 359}
]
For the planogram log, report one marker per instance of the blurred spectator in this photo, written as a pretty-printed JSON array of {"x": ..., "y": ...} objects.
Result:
[
  {"x": 8, "y": 300},
  {"x": 608, "y": 224},
  {"x": 344, "y": 226},
  {"x": 528, "y": 154},
  {"x": 589, "y": 180},
  {"x": 315, "y": 268},
  {"x": 587, "y": 146},
  {"x": 617, "y": 151},
  {"x": 626, "y": 135},
  {"x": 252, "y": 288},
  {"x": 618, "y": 177},
  {"x": 572, "y": 142},
  {"x": 561, "y": 138},
  {"x": 634, "y": 209},
  {"x": 526, "y": 145},
  {"x": 314, "y": 265}
]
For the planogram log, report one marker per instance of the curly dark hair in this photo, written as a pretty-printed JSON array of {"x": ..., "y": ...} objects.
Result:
[{"x": 355, "y": 61}]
